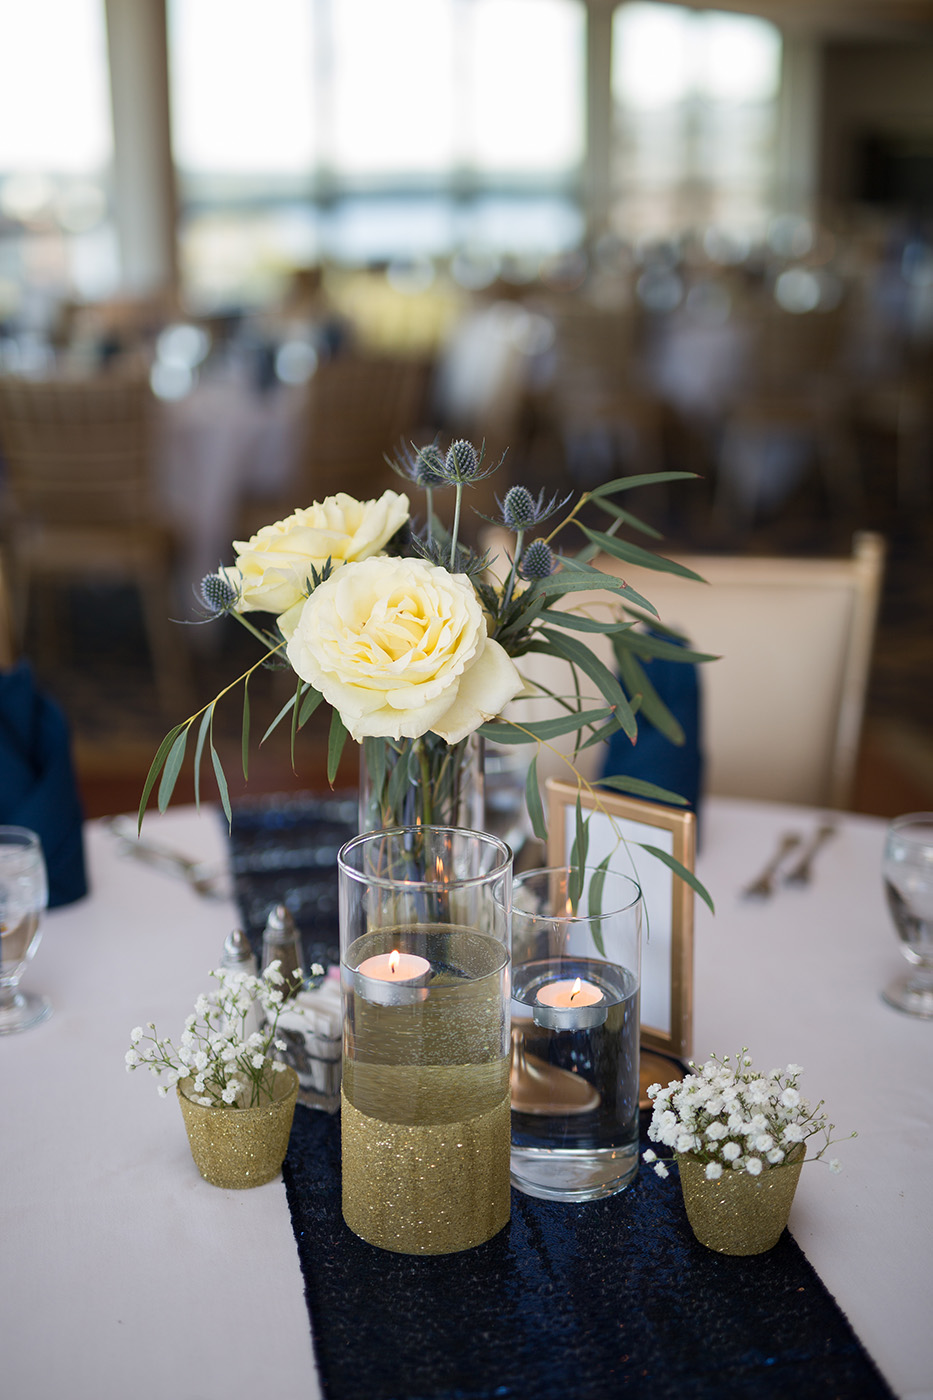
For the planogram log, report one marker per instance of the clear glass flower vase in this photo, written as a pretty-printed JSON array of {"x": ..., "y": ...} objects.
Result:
[{"x": 421, "y": 782}]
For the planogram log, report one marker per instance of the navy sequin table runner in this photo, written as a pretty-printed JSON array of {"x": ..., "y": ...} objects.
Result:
[{"x": 568, "y": 1302}]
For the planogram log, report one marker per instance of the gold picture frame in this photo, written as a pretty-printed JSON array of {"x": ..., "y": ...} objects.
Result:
[{"x": 667, "y": 952}]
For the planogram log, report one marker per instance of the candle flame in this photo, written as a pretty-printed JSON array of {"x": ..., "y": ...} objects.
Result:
[
  {"x": 577, "y": 987},
  {"x": 395, "y": 958}
]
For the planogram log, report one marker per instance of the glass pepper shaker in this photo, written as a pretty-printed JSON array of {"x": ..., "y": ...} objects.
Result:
[{"x": 281, "y": 940}]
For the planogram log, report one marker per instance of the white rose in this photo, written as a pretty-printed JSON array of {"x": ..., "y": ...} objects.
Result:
[
  {"x": 273, "y": 568},
  {"x": 398, "y": 647}
]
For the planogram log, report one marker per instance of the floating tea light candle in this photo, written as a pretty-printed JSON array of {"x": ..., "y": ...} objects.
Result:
[
  {"x": 393, "y": 979},
  {"x": 570, "y": 1005}
]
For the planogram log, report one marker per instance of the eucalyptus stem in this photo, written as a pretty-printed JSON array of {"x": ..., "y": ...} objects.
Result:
[
  {"x": 513, "y": 572},
  {"x": 426, "y": 789},
  {"x": 456, "y": 529}
]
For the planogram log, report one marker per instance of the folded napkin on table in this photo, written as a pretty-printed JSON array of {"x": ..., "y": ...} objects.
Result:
[
  {"x": 38, "y": 789},
  {"x": 654, "y": 758}
]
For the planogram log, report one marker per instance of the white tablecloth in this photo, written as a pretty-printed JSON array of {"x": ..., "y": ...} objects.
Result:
[
  {"x": 127, "y": 1275},
  {"x": 221, "y": 444}
]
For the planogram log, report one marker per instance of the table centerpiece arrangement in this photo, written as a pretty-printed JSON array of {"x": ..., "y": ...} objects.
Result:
[
  {"x": 415, "y": 644},
  {"x": 237, "y": 1099},
  {"x": 739, "y": 1140}
]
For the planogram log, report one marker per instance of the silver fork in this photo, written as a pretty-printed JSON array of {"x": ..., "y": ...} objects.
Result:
[
  {"x": 204, "y": 880},
  {"x": 763, "y": 887},
  {"x": 800, "y": 873}
]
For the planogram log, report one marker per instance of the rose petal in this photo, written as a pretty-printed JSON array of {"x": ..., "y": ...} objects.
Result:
[{"x": 485, "y": 688}]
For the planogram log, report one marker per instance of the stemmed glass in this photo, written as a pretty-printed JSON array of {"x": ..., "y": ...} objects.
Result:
[
  {"x": 23, "y": 898},
  {"x": 907, "y": 867}
]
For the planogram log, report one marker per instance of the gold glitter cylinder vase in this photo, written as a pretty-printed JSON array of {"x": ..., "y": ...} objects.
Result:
[
  {"x": 424, "y": 930},
  {"x": 738, "y": 1213},
  {"x": 240, "y": 1147}
]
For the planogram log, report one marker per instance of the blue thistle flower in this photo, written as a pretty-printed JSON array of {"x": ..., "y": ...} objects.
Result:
[
  {"x": 217, "y": 593},
  {"x": 462, "y": 461},
  {"x": 538, "y": 560},
  {"x": 429, "y": 466},
  {"x": 518, "y": 508}
]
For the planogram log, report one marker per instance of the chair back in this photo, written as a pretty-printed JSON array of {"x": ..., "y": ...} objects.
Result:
[
  {"x": 782, "y": 705},
  {"x": 359, "y": 407},
  {"x": 77, "y": 451}
]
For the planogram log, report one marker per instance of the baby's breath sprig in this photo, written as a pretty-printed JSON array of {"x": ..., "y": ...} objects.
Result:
[
  {"x": 731, "y": 1117},
  {"x": 229, "y": 1064}
]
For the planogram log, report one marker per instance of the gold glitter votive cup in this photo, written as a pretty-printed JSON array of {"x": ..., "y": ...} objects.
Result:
[
  {"x": 240, "y": 1147},
  {"x": 738, "y": 1213}
]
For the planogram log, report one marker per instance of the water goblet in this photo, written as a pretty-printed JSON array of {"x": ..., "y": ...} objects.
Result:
[
  {"x": 23, "y": 898},
  {"x": 907, "y": 868}
]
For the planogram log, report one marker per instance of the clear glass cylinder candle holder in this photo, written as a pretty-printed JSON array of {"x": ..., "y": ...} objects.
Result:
[
  {"x": 576, "y": 975},
  {"x": 425, "y": 1128}
]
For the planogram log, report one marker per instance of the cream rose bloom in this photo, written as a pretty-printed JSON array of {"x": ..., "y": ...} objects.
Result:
[
  {"x": 273, "y": 569},
  {"x": 398, "y": 647}
]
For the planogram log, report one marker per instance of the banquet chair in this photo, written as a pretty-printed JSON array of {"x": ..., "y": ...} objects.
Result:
[
  {"x": 782, "y": 705},
  {"x": 358, "y": 408},
  {"x": 608, "y": 418},
  {"x": 78, "y": 466}
]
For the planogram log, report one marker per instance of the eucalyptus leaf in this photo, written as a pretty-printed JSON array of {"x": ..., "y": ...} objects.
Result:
[
  {"x": 653, "y": 707},
  {"x": 578, "y": 574},
  {"x": 335, "y": 742},
  {"x": 574, "y": 577},
  {"x": 579, "y": 622},
  {"x": 634, "y": 554},
  {"x": 155, "y": 768},
  {"x": 595, "y": 902},
  {"x": 639, "y": 787},
  {"x": 625, "y": 517},
  {"x": 643, "y": 644},
  {"x": 244, "y": 742},
  {"x": 530, "y": 731},
  {"x": 533, "y": 801},
  {"x": 286, "y": 709},
  {"x": 579, "y": 655},
  {"x": 206, "y": 721},
  {"x": 221, "y": 784},
  {"x": 176, "y": 757},
  {"x": 628, "y": 483},
  {"x": 293, "y": 730},
  {"x": 680, "y": 870},
  {"x": 309, "y": 704}
]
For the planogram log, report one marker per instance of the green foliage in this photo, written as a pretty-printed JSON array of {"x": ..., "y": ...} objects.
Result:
[{"x": 525, "y": 615}]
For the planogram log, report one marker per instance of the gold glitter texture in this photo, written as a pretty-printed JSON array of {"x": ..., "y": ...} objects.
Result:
[
  {"x": 435, "y": 1188},
  {"x": 240, "y": 1147},
  {"x": 738, "y": 1213},
  {"x": 425, "y": 1120}
]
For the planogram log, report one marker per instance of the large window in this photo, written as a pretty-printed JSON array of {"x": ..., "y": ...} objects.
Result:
[
  {"x": 695, "y": 114},
  {"x": 55, "y": 151},
  {"x": 365, "y": 130}
]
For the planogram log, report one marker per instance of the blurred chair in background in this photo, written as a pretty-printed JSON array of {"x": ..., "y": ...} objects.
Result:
[
  {"x": 609, "y": 419},
  {"x": 78, "y": 456},
  {"x": 791, "y": 415},
  {"x": 782, "y": 705},
  {"x": 357, "y": 409}
]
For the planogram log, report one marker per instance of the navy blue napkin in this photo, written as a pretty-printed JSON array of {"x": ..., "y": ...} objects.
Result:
[
  {"x": 38, "y": 789},
  {"x": 654, "y": 758}
]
